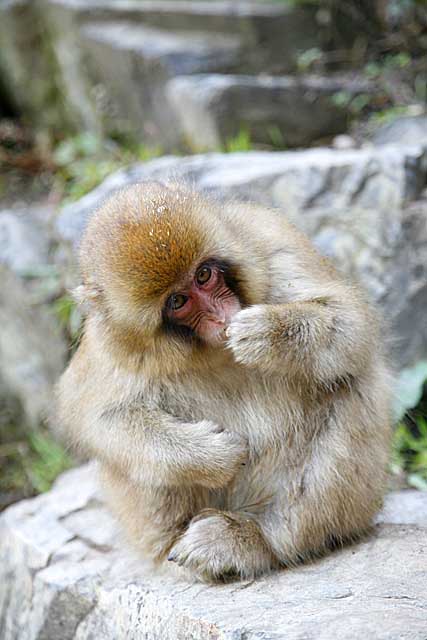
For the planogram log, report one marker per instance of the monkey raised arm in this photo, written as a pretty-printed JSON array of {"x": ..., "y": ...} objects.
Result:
[
  {"x": 318, "y": 340},
  {"x": 312, "y": 326}
]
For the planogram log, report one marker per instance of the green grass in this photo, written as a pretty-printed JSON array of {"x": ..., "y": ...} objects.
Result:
[
  {"x": 83, "y": 161},
  {"x": 240, "y": 142},
  {"x": 29, "y": 464}
]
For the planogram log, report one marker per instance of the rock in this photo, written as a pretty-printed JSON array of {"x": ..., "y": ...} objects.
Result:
[
  {"x": 282, "y": 111},
  {"x": 408, "y": 273},
  {"x": 406, "y": 131},
  {"x": 65, "y": 573},
  {"x": 28, "y": 71},
  {"x": 343, "y": 142},
  {"x": 296, "y": 180},
  {"x": 130, "y": 65},
  {"x": 23, "y": 245},
  {"x": 32, "y": 347},
  {"x": 271, "y": 34},
  {"x": 354, "y": 204},
  {"x": 116, "y": 61},
  {"x": 103, "y": 66}
]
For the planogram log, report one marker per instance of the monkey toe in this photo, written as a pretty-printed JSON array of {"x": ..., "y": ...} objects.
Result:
[
  {"x": 202, "y": 549},
  {"x": 220, "y": 546}
]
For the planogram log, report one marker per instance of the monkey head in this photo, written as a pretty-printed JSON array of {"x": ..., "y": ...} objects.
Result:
[{"x": 160, "y": 262}]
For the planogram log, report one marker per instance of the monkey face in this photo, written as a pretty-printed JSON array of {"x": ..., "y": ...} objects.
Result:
[
  {"x": 206, "y": 305},
  {"x": 164, "y": 270}
]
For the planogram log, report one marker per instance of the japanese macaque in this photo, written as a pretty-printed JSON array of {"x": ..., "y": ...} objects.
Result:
[{"x": 231, "y": 384}]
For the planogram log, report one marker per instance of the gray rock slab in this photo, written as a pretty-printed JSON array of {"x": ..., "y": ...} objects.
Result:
[
  {"x": 23, "y": 243},
  {"x": 130, "y": 65},
  {"x": 405, "y": 130},
  {"x": 272, "y": 33},
  {"x": 27, "y": 74},
  {"x": 112, "y": 59},
  {"x": 180, "y": 52},
  {"x": 32, "y": 346},
  {"x": 284, "y": 111},
  {"x": 65, "y": 573},
  {"x": 407, "y": 275},
  {"x": 297, "y": 181}
]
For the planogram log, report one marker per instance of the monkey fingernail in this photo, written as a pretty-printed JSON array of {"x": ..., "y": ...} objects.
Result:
[{"x": 172, "y": 557}]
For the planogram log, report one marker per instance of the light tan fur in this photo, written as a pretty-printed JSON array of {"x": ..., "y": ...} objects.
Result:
[{"x": 228, "y": 460}]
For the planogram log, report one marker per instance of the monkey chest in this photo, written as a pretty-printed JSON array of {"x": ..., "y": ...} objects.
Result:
[{"x": 245, "y": 404}]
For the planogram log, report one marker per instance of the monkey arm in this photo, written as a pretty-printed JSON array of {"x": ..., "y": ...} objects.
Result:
[
  {"x": 320, "y": 340},
  {"x": 153, "y": 448}
]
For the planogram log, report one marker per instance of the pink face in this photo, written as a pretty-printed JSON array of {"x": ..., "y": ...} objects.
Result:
[{"x": 206, "y": 306}]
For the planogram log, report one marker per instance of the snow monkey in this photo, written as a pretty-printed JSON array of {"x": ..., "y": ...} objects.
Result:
[{"x": 230, "y": 382}]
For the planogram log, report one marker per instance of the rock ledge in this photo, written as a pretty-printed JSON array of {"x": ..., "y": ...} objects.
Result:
[{"x": 65, "y": 574}]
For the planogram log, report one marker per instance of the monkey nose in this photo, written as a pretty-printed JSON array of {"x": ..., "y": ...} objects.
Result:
[
  {"x": 215, "y": 314},
  {"x": 219, "y": 316}
]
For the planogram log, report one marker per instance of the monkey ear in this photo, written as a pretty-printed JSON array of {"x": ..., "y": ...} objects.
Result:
[{"x": 86, "y": 294}]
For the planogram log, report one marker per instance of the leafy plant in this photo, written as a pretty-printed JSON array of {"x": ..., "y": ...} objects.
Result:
[
  {"x": 410, "y": 452},
  {"x": 387, "y": 115},
  {"x": 276, "y": 137},
  {"x": 240, "y": 142},
  {"x": 355, "y": 103},
  {"x": 30, "y": 464},
  {"x": 409, "y": 389},
  {"x": 375, "y": 69},
  {"x": 410, "y": 438},
  {"x": 69, "y": 315},
  {"x": 83, "y": 161},
  {"x": 47, "y": 460},
  {"x": 307, "y": 59}
]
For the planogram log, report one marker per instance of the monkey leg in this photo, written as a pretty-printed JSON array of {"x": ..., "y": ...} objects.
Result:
[
  {"x": 152, "y": 519},
  {"x": 219, "y": 545}
]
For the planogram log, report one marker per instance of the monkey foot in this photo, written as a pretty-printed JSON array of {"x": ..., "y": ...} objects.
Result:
[{"x": 219, "y": 546}]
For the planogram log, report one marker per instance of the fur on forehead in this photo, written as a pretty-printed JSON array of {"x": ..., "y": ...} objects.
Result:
[{"x": 147, "y": 237}]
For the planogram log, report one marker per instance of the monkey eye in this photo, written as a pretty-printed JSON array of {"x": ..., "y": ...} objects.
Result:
[
  {"x": 177, "y": 301},
  {"x": 203, "y": 275}
]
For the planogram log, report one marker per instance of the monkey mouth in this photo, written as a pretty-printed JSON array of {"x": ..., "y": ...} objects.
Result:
[{"x": 215, "y": 331}]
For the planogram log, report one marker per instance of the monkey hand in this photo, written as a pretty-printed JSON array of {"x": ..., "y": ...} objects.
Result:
[
  {"x": 251, "y": 336},
  {"x": 214, "y": 454}
]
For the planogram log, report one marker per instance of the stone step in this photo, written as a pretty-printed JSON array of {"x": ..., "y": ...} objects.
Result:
[
  {"x": 179, "y": 53},
  {"x": 130, "y": 65},
  {"x": 281, "y": 111},
  {"x": 116, "y": 57},
  {"x": 65, "y": 574},
  {"x": 271, "y": 33},
  {"x": 355, "y": 205},
  {"x": 90, "y": 44}
]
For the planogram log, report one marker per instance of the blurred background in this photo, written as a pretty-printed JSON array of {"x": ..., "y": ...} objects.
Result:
[{"x": 314, "y": 106}]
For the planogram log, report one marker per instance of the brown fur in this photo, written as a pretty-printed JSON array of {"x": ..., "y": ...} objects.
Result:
[{"x": 235, "y": 460}]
